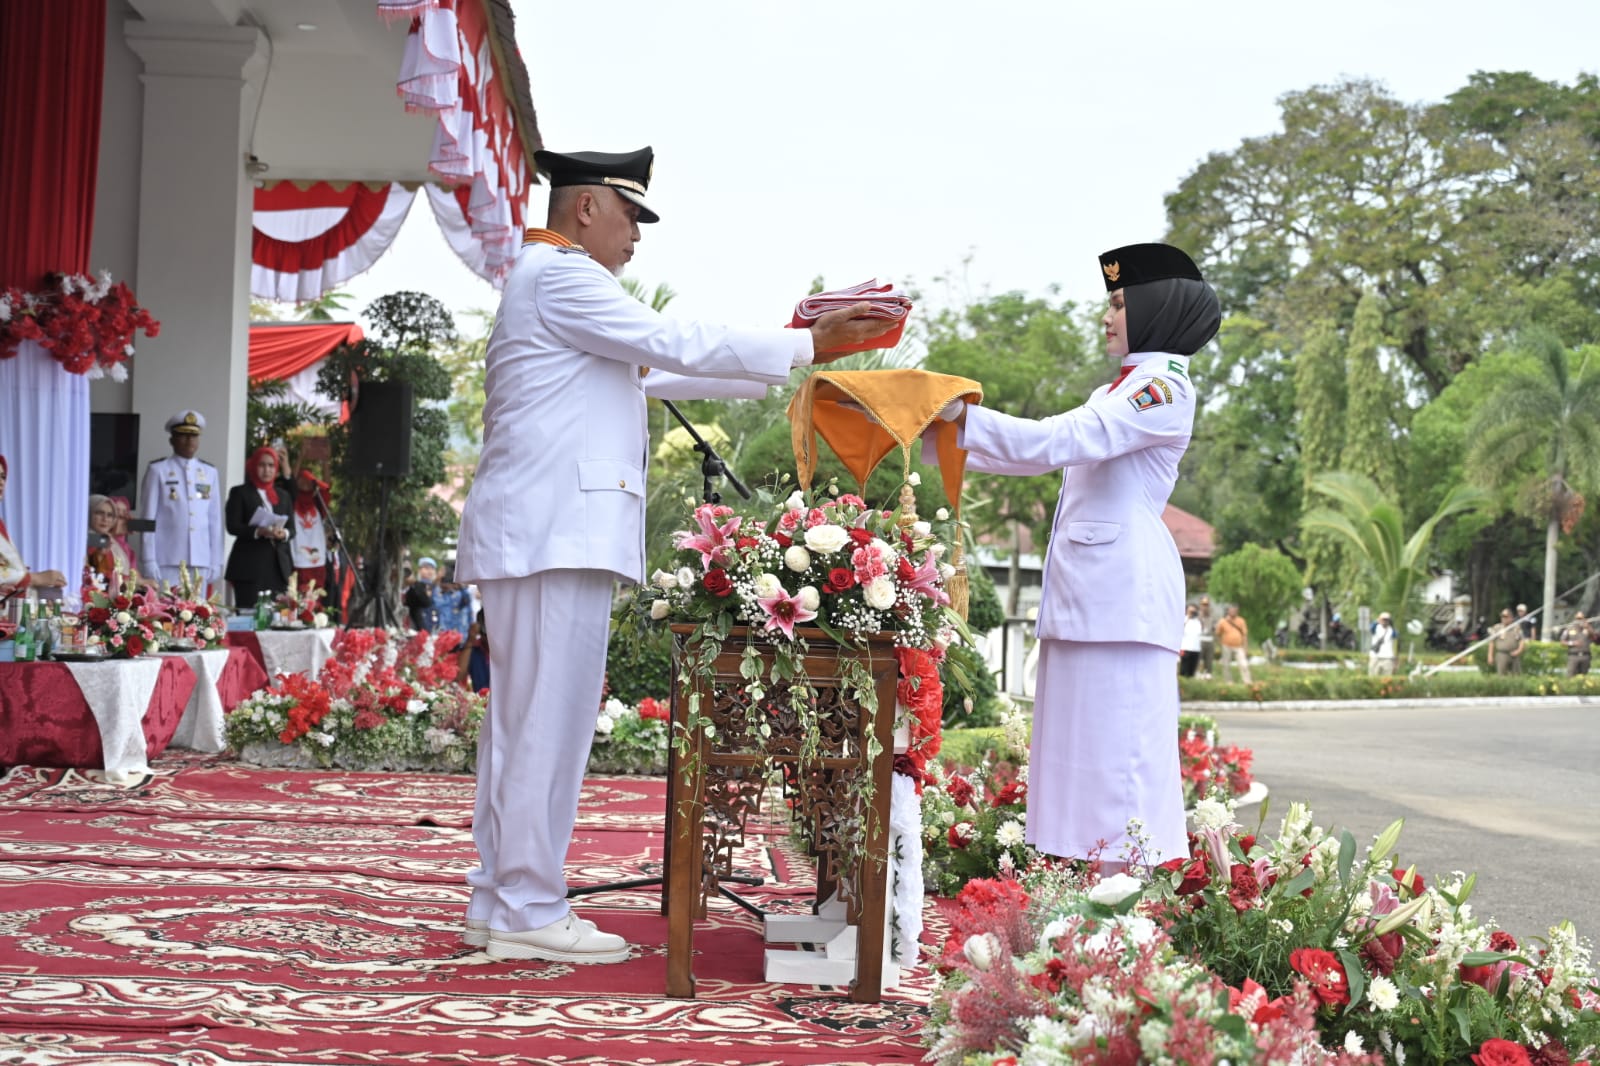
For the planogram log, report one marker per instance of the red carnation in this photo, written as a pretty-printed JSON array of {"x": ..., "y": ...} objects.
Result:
[
  {"x": 717, "y": 582},
  {"x": 1499, "y": 1052},
  {"x": 1243, "y": 888},
  {"x": 862, "y": 537},
  {"x": 960, "y": 834},
  {"x": 1500, "y": 940},
  {"x": 960, "y": 790},
  {"x": 1324, "y": 973},
  {"x": 1013, "y": 792},
  {"x": 746, "y": 542}
]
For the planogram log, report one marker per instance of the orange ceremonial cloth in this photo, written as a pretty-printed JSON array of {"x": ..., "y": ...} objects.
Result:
[
  {"x": 888, "y": 302},
  {"x": 905, "y": 403}
]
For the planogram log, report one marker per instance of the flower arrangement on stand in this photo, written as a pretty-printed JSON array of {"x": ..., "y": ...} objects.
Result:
[
  {"x": 192, "y": 619},
  {"x": 630, "y": 740},
  {"x": 123, "y": 624},
  {"x": 1296, "y": 948},
  {"x": 297, "y": 607},
  {"x": 87, "y": 324},
  {"x": 1208, "y": 768},
  {"x": 380, "y": 703},
  {"x": 974, "y": 819}
]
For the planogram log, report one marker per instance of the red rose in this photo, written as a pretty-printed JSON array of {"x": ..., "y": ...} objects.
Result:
[
  {"x": 135, "y": 646},
  {"x": 839, "y": 579},
  {"x": 1499, "y": 1052},
  {"x": 1324, "y": 973},
  {"x": 784, "y": 541},
  {"x": 1413, "y": 884},
  {"x": 960, "y": 790},
  {"x": 960, "y": 834},
  {"x": 1243, "y": 888},
  {"x": 1013, "y": 792},
  {"x": 717, "y": 582},
  {"x": 1195, "y": 874},
  {"x": 861, "y": 537},
  {"x": 905, "y": 571},
  {"x": 99, "y": 616},
  {"x": 1246, "y": 842}
]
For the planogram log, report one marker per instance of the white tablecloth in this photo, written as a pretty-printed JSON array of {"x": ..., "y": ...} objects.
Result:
[
  {"x": 201, "y": 726},
  {"x": 295, "y": 651},
  {"x": 118, "y": 694}
]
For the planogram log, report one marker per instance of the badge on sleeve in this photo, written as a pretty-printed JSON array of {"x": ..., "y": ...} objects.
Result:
[{"x": 1154, "y": 394}]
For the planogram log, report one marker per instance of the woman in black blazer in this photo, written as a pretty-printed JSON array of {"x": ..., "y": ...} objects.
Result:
[{"x": 260, "y": 563}]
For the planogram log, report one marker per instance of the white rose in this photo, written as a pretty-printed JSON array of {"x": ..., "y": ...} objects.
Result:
[
  {"x": 980, "y": 949},
  {"x": 942, "y": 514},
  {"x": 767, "y": 586},
  {"x": 319, "y": 621},
  {"x": 614, "y": 708},
  {"x": 913, "y": 479},
  {"x": 123, "y": 618},
  {"x": 1116, "y": 888},
  {"x": 880, "y": 592},
  {"x": 921, "y": 529},
  {"x": 186, "y": 615},
  {"x": 209, "y": 633},
  {"x": 797, "y": 558},
  {"x": 946, "y": 571},
  {"x": 685, "y": 578},
  {"x": 661, "y": 579},
  {"x": 827, "y": 538},
  {"x": 659, "y": 609},
  {"x": 604, "y": 725},
  {"x": 415, "y": 706},
  {"x": 796, "y": 502},
  {"x": 809, "y": 597}
]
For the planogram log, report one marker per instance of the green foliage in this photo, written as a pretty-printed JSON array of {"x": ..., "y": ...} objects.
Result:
[
  {"x": 639, "y": 664},
  {"x": 269, "y": 417},
  {"x": 984, "y": 610},
  {"x": 1354, "y": 684},
  {"x": 408, "y": 332},
  {"x": 1371, "y": 412},
  {"x": 1264, "y": 582},
  {"x": 970, "y": 746},
  {"x": 984, "y": 693},
  {"x": 1320, "y": 384},
  {"x": 464, "y": 361}
]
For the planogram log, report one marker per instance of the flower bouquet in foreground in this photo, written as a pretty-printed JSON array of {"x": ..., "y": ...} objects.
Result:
[
  {"x": 123, "y": 624},
  {"x": 630, "y": 740},
  {"x": 297, "y": 607},
  {"x": 383, "y": 702},
  {"x": 1258, "y": 949}
]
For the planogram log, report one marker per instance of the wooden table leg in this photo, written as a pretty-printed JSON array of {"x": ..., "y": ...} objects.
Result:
[
  {"x": 874, "y": 872},
  {"x": 684, "y": 815}
]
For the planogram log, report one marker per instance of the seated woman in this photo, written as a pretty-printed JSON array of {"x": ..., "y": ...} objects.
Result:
[
  {"x": 262, "y": 520},
  {"x": 119, "y": 531},
  {"x": 106, "y": 556},
  {"x": 15, "y": 577}
]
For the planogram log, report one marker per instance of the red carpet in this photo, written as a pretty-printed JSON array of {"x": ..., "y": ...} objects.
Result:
[{"x": 220, "y": 914}]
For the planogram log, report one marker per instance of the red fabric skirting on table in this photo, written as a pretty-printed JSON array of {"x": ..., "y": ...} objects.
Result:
[
  {"x": 242, "y": 675},
  {"x": 45, "y": 721},
  {"x": 246, "y": 639}
]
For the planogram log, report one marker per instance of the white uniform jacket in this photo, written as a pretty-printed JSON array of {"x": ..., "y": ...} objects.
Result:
[
  {"x": 1112, "y": 572},
  {"x": 184, "y": 497},
  {"x": 560, "y": 482}
]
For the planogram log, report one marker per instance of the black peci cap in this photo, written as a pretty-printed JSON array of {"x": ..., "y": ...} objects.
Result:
[
  {"x": 1136, "y": 264},
  {"x": 626, "y": 172}
]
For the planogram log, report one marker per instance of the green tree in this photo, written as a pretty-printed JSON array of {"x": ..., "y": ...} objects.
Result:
[
  {"x": 464, "y": 360},
  {"x": 1320, "y": 382},
  {"x": 1371, "y": 425},
  {"x": 269, "y": 416},
  {"x": 1372, "y": 527},
  {"x": 1034, "y": 360},
  {"x": 1264, "y": 582},
  {"x": 1543, "y": 417},
  {"x": 409, "y": 330}
]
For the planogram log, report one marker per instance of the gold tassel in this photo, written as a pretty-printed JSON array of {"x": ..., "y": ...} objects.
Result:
[{"x": 960, "y": 593}]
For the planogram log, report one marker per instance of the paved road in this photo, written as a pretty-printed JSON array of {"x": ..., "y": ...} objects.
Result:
[{"x": 1512, "y": 794}]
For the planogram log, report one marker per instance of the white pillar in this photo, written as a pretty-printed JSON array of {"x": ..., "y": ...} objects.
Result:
[{"x": 201, "y": 83}]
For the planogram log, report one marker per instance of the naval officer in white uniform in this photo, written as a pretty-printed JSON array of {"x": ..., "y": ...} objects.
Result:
[
  {"x": 1105, "y": 720},
  {"x": 183, "y": 495},
  {"x": 555, "y": 517}
]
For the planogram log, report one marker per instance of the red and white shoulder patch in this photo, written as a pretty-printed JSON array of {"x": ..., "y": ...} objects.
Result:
[{"x": 1155, "y": 393}]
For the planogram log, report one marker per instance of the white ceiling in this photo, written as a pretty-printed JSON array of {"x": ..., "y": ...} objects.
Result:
[{"x": 329, "y": 109}]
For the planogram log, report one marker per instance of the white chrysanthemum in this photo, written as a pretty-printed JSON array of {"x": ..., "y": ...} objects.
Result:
[
  {"x": 1212, "y": 814},
  {"x": 797, "y": 559},
  {"x": 209, "y": 633},
  {"x": 767, "y": 586},
  {"x": 1010, "y": 834},
  {"x": 1153, "y": 1040},
  {"x": 1382, "y": 993},
  {"x": 1352, "y": 1043},
  {"x": 659, "y": 609},
  {"x": 809, "y": 597},
  {"x": 879, "y": 593},
  {"x": 827, "y": 538},
  {"x": 661, "y": 579}
]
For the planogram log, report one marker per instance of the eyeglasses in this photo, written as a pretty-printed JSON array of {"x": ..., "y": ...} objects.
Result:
[{"x": 105, "y": 514}]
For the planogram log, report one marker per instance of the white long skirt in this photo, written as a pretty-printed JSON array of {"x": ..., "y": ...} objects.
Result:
[{"x": 1105, "y": 751}]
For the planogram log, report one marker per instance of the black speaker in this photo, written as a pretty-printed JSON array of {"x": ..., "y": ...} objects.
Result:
[
  {"x": 114, "y": 456},
  {"x": 380, "y": 430}
]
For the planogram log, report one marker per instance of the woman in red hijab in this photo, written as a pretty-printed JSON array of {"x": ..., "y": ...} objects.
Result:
[{"x": 262, "y": 520}]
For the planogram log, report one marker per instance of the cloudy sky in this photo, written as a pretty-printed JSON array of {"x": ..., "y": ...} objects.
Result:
[{"x": 998, "y": 146}]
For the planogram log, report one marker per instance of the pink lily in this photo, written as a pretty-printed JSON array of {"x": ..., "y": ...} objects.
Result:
[
  {"x": 713, "y": 540},
  {"x": 925, "y": 579},
  {"x": 784, "y": 612}
]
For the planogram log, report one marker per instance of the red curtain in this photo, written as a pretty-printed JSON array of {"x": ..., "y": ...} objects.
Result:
[
  {"x": 52, "y": 64},
  {"x": 278, "y": 352}
]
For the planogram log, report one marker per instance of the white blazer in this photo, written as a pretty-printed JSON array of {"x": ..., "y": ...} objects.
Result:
[
  {"x": 184, "y": 498},
  {"x": 560, "y": 482},
  {"x": 1112, "y": 572}
]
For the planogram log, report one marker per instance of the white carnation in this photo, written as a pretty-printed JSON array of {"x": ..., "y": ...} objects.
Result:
[
  {"x": 879, "y": 593},
  {"x": 827, "y": 538},
  {"x": 767, "y": 586},
  {"x": 1212, "y": 814},
  {"x": 809, "y": 597},
  {"x": 659, "y": 609},
  {"x": 415, "y": 707},
  {"x": 797, "y": 559}
]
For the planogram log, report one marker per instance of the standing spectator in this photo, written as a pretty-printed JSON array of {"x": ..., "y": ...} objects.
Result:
[
  {"x": 418, "y": 598},
  {"x": 1208, "y": 637},
  {"x": 473, "y": 660},
  {"x": 312, "y": 552},
  {"x": 1385, "y": 645},
  {"x": 1233, "y": 634},
  {"x": 183, "y": 496},
  {"x": 1189, "y": 647},
  {"x": 1507, "y": 644},
  {"x": 452, "y": 604},
  {"x": 1529, "y": 626},
  {"x": 261, "y": 520},
  {"x": 1578, "y": 637}
]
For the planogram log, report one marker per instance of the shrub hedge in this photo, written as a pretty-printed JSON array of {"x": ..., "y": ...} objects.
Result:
[{"x": 1352, "y": 685}]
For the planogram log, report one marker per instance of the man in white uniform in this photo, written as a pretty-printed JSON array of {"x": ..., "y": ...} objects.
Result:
[
  {"x": 555, "y": 517},
  {"x": 1105, "y": 723},
  {"x": 183, "y": 496}
]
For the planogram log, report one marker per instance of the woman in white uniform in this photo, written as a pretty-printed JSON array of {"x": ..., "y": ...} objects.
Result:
[{"x": 1105, "y": 720}]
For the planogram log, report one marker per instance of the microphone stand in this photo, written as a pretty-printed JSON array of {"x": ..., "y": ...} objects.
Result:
[
  {"x": 341, "y": 556},
  {"x": 712, "y": 465}
]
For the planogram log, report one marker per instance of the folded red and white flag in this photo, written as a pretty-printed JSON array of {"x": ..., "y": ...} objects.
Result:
[{"x": 886, "y": 299}]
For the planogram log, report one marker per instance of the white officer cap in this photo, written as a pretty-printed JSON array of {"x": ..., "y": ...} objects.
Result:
[{"x": 186, "y": 422}]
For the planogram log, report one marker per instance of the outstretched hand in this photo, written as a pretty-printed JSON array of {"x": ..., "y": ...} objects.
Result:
[{"x": 845, "y": 328}]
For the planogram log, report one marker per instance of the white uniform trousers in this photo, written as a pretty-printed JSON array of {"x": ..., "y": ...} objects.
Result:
[
  {"x": 1105, "y": 750},
  {"x": 547, "y": 645}
]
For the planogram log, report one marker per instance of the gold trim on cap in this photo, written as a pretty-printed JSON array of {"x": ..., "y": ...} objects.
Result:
[
  {"x": 626, "y": 183},
  {"x": 1113, "y": 270}
]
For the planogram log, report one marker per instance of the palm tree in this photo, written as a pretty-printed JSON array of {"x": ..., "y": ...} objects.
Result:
[
  {"x": 1373, "y": 526},
  {"x": 1542, "y": 415}
]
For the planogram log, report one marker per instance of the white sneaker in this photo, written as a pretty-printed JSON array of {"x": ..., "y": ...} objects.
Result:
[
  {"x": 476, "y": 933},
  {"x": 572, "y": 939}
]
